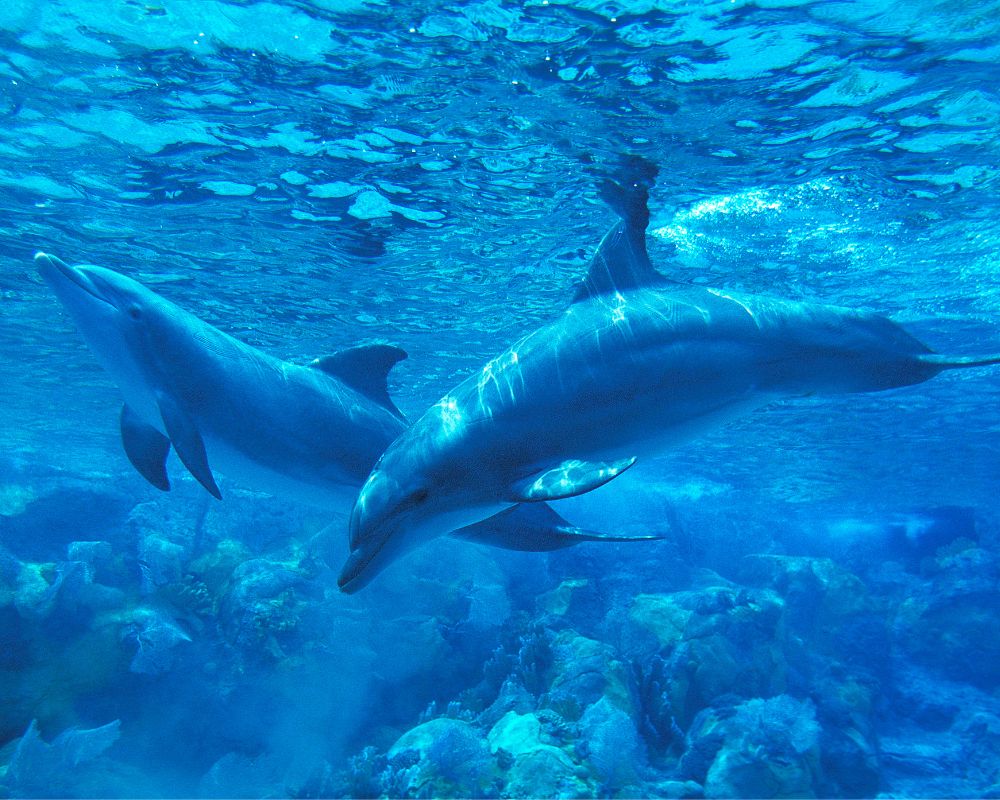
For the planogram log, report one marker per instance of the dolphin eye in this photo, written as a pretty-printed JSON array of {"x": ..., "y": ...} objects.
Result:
[
  {"x": 415, "y": 498},
  {"x": 135, "y": 312}
]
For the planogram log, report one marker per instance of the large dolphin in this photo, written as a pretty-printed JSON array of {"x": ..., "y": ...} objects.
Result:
[
  {"x": 309, "y": 433},
  {"x": 637, "y": 363}
]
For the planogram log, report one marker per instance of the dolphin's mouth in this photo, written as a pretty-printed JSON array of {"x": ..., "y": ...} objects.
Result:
[
  {"x": 55, "y": 270},
  {"x": 355, "y": 573},
  {"x": 350, "y": 579}
]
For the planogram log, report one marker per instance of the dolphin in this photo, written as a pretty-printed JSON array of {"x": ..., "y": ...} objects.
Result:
[
  {"x": 636, "y": 364},
  {"x": 311, "y": 433},
  {"x": 305, "y": 432}
]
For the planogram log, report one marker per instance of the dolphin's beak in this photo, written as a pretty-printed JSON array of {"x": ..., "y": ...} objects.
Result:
[
  {"x": 367, "y": 542},
  {"x": 354, "y": 576},
  {"x": 59, "y": 275}
]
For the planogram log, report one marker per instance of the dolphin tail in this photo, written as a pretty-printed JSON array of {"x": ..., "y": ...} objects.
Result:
[
  {"x": 942, "y": 362},
  {"x": 573, "y": 535}
]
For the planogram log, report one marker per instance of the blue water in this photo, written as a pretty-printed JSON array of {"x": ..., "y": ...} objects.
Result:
[{"x": 820, "y": 619}]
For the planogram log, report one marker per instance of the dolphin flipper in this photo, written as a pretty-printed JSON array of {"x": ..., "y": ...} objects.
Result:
[
  {"x": 146, "y": 448},
  {"x": 534, "y": 528},
  {"x": 365, "y": 369},
  {"x": 187, "y": 441},
  {"x": 568, "y": 479}
]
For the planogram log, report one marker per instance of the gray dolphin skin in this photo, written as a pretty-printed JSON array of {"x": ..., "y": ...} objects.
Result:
[
  {"x": 305, "y": 432},
  {"x": 309, "y": 433},
  {"x": 636, "y": 364}
]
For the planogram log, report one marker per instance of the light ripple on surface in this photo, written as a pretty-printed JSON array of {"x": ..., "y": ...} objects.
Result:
[{"x": 325, "y": 173}]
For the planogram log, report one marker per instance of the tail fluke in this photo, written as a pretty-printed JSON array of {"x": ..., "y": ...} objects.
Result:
[{"x": 958, "y": 362}]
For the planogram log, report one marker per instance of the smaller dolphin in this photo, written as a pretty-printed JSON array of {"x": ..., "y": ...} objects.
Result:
[
  {"x": 309, "y": 433},
  {"x": 637, "y": 363}
]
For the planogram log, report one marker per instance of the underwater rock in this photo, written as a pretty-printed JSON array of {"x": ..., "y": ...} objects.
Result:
[
  {"x": 102, "y": 562},
  {"x": 584, "y": 671},
  {"x": 587, "y": 605},
  {"x": 442, "y": 757},
  {"x": 512, "y": 696},
  {"x": 262, "y": 605},
  {"x": 533, "y": 767},
  {"x": 837, "y": 649},
  {"x": 161, "y": 561},
  {"x": 67, "y": 587},
  {"x": 828, "y": 610},
  {"x": 366, "y": 771},
  {"x": 849, "y": 763},
  {"x": 260, "y": 526},
  {"x": 762, "y": 748},
  {"x": 31, "y": 593},
  {"x": 489, "y": 606},
  {"x": 675, "y": 790},
  {"x": 48, "y": 523},
  {"x": 214, "y": 568},
  {"x": 155, "y": 636},
  {"x": 560, "y": 600},
  {"x": 41, "y": 769},
  {"x": 950, "y": 625},
  {"x": 91, "y": 553},
  {"x": 517, "y": 671},
  {"x": 515, "y": 733},
  {"x": 654, "y": 710},
  {"x": 546, "y": 772},
  {"x": 920, "y": 766},
  {"x": 717, "y": 640},
  {"x": 612, "y": 747},
  {"x": 818, "y": 586},
  {"x": 239, "y": 775}
]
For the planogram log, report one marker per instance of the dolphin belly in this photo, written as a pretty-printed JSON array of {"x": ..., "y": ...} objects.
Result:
[{"x": 233, "y": 462}]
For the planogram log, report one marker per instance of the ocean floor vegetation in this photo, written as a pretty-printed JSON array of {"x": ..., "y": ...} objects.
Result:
[{"x": 179, "y": 645}]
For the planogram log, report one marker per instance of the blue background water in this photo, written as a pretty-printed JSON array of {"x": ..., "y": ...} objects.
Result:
[{"x": 310, "y": 175}]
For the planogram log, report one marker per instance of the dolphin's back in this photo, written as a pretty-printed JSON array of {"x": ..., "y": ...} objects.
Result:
[
  {"x": 299, "y": 421},
  {"x": 660, "y": 365},
  {"x": 812, "y": 347}
]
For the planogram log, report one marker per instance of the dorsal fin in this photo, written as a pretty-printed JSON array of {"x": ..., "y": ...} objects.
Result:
[
  {"x": 621, "y": 262},
  {"x": 365, "y": 369}
]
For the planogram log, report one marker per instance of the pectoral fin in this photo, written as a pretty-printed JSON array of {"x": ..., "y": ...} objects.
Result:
[
  {"x": 187, "y": 441},
  {"x": 567, "y": 480},
  {"x": 146, "y": 448},
  {"x": 535, "y": 528}
]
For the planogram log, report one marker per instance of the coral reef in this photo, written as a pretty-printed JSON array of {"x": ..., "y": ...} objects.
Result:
[{"x": 780, "y": 676}]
